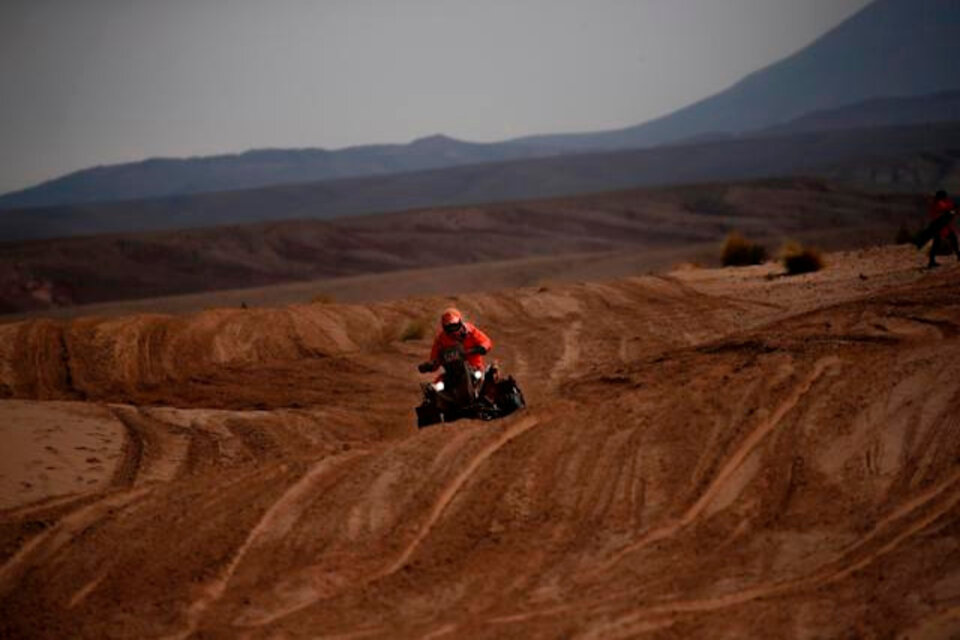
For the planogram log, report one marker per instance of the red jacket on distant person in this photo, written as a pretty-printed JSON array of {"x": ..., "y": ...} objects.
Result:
[
  {"x": 469, "y": 337},
  {"x": 937, "y": 209}
]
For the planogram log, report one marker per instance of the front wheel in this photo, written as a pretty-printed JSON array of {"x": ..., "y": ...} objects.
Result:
[{"x": 427, "y": 414}]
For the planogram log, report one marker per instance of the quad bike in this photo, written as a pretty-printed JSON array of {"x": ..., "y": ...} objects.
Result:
[{"x": 465, "y": 392}]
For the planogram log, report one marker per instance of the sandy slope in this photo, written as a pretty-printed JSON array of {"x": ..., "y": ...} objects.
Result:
[{"x": 708, "y": 453}]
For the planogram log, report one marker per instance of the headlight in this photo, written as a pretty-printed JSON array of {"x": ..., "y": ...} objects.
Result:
[
  {"x": 438, "y": 386},
  {"x": 477, "y": 375}
]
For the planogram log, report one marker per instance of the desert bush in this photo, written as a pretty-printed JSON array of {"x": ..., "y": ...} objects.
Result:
[
  {"x": 798, "y": 259},
  {"x": 414, "y": 330},
  {"x": 740, "y": 252},
  {"x": 323, "y": 298},
  {"x": 904, "y": 235}
]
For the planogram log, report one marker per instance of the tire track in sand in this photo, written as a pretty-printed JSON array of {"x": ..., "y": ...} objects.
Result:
[
  {"x": 571, "y": 351},
  {"x": 445, "y": 630},
  {"x": 50, "y": 504},
  {"x": 939, "y": 625},
  {"x": 861, "y": 555},
  {"x": 81, "y": 594},
  {"x": 153, "y": 451},
  {"x": 729, "y": 468},
  {"x": 41, "y": 547},
  {"x": 131, "y": 458},
  {"x": 436, "y": 511},
  {"x": 275, "y": 522},
  {"x": 450, "y": 491}
]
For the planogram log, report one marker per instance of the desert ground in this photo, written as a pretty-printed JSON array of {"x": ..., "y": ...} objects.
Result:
[
  {"x": 707, "y": 453},
  {"x": 639, "y": 230}
]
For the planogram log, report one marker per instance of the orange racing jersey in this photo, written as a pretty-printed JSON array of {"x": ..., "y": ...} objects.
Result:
[{"x": 472, "y": 337}]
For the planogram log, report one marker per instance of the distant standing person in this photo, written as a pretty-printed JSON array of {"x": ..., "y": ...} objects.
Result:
[{"x": 940, "y": 205}]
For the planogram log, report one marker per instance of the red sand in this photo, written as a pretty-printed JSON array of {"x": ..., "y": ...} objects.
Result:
[{"x": 710, "y": 453}]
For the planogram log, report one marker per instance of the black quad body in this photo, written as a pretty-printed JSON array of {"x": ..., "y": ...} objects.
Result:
[{"x": 467, "y": 392}]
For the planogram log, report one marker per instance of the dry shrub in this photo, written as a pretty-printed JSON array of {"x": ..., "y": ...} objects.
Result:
[
  {"x": 740, "y": 252},
  {"x": 414, "y": 330},
  {"x": 323, "y": 298},
  {"x": 798, "y": 259},
  {"x": 904, "y": 235}
]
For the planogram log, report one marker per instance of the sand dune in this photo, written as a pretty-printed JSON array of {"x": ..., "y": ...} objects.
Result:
[{"x": 707, "y": 453}]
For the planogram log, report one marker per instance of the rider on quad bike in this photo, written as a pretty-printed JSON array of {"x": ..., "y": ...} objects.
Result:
[
  {"x": 455, "y": 331},
  {"x": 467, "y": 388}
]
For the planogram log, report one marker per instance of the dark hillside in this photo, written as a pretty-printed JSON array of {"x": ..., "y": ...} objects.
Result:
[
  {"x": 45, "y": 273},
  {"x": 738, "y": 159}
]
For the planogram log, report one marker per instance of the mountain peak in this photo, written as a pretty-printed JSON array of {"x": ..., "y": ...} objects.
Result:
[{"x": 435, "y": 140}]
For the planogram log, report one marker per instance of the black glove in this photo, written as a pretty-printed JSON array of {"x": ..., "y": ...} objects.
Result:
[
  {"x": 478, "y": 350},
  {"x": 426, "y": 367}
]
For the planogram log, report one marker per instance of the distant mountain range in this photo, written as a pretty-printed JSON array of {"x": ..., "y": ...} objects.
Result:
[
  {"x": 161, "y": 177},
  {"x": 894, "y": 63},
  {"x": 911, "y": 158}
]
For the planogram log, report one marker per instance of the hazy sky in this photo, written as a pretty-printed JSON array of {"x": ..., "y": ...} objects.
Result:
[{"x": 89, "y": 82}]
